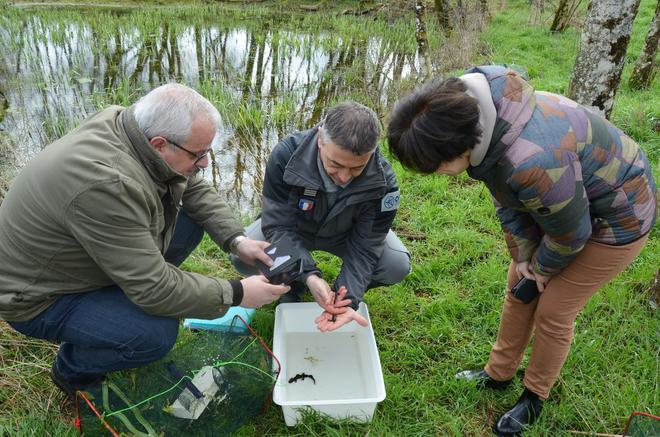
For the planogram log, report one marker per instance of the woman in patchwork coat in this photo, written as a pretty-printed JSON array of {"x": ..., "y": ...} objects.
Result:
[{"x": 574, "y": 194}]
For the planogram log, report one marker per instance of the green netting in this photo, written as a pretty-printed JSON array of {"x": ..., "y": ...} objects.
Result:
[
  {"x": 232, "y": 371},
  {"x": 642, "y": 425}
]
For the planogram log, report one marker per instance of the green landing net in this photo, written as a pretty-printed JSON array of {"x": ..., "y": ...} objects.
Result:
[
  {"x": 210, "y": 384},
  {"x": 642, "y": 425}
]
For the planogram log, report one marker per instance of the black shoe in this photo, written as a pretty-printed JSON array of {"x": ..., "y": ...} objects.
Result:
[
  {"x": 70, "y": 386},
  {"x": 524, "y": 413},
  {"x": 483, "y": 379}
]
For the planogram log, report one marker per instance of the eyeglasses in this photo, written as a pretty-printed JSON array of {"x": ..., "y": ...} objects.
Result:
[{"x": 197, "y": 156}]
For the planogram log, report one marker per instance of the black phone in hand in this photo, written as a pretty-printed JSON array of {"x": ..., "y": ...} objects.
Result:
[
  {"x": 287, "y": 263},
  {"x": 525, "y": 290}
]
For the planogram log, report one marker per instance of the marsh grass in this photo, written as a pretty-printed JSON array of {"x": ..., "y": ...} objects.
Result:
[
  {"x": 114, "y": 55},
  {"x": 7, "y": 164},
  {"x": 445, "y": 316},
  {"x": 29, "y": 404}
]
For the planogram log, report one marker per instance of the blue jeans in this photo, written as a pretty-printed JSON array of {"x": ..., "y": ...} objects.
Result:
[{"x": 101, "y": 330}]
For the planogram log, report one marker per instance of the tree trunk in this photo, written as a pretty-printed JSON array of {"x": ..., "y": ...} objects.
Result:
[
  {"x": 644, "y": 70},
  {"x": 485, "y": 11},
  {"x": 565, "y": 11},
  {"x": 605, "y": 36},
  {"x": 557, "y": 23},
  {"x": 443, "y": 11},
  {"x": 460, "y": 13},
  {"x": 420, "y": 35}
]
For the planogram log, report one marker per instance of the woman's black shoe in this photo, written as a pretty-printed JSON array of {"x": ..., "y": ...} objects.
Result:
[
  {"x": 483, "y": 379},
  {"x": 524, "y": 413}
]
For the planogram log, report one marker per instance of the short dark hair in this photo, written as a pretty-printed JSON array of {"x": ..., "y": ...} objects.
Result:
[
  {"x": 352, "y": 126},
  {"x": 434, "y": 124}
]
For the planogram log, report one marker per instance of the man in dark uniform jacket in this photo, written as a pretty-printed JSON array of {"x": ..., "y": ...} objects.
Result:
[{"x": 329, "y": 188}]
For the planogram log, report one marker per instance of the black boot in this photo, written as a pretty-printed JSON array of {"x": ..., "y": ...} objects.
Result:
[
  {"x": 524, "y": 413},
  {"x": 69, "y": 386},
  {"x": 482, "y": 379}
]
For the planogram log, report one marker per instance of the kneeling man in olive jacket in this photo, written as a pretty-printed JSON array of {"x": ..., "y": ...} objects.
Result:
[{"x": 93, "y": 230}]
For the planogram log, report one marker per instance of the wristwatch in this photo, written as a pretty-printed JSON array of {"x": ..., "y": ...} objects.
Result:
[{"x": 235, "y": 242}]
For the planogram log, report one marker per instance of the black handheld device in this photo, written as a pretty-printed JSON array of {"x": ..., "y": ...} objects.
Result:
[
  {"x": 287, "y": 263},
  {"x": 525, "y": 290}
]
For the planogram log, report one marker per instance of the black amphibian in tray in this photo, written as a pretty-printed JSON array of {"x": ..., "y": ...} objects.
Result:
[{"x": 300, "y": 377}]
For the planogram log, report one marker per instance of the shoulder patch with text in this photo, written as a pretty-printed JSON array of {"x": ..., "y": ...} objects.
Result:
[{"x": 390, "y": 201}]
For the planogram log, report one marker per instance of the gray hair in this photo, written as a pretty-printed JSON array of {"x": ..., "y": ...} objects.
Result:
[
  {"x": 170, "y": 109},
  {"x": 352, "y": 126}
]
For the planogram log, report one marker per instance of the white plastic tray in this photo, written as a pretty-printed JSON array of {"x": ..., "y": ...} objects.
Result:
[{"x": 344, "y": 363}]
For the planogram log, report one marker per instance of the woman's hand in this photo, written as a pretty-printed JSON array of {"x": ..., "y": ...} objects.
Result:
[
  {"x": 524, "y": 269},
  {"x": 541, "y": 281}
]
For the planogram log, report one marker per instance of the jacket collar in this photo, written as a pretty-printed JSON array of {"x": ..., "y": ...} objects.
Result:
[
  {"x": 495, "y": 151},
  {"x": 477, "y": 87},
  {"x": 514, "y": 101},
  {"x": 301, "y": 170},
  {"x": 156, "y": 166}
]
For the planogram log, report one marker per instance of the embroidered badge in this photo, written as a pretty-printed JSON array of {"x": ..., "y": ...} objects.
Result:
[
  {"x": 305, "y": 204},
  {"x": 309, "y": 192},
  {"x": 390, "y": 201}
]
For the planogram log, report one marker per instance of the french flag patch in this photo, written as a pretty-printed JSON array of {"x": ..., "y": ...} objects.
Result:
[{"x": 305, "y": 204}]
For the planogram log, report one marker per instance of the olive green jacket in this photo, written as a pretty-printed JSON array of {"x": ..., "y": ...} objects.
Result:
[{"x": 97, "y": 207}]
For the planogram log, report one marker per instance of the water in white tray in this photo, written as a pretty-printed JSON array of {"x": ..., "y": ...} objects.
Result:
[
  {"x": 344, "y": 364},
  {"x": 335, "y": 362}
]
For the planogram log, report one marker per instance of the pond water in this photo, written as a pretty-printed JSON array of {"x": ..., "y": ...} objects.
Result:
[{"x": 269, "y": 74}]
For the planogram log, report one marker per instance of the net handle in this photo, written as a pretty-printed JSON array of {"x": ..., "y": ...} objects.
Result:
[{"x": 632, "y": 416}]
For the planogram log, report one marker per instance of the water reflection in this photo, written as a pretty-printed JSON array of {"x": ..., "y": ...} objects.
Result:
[{"x": 60, "y": 66}]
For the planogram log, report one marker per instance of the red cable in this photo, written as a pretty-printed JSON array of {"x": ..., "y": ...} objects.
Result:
[
  {"x": 270, "y": 352},
  {"x": 82, "y": 395}
]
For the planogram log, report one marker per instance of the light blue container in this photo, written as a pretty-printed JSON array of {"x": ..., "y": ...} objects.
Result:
[{"x": 225, "y": 323}]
